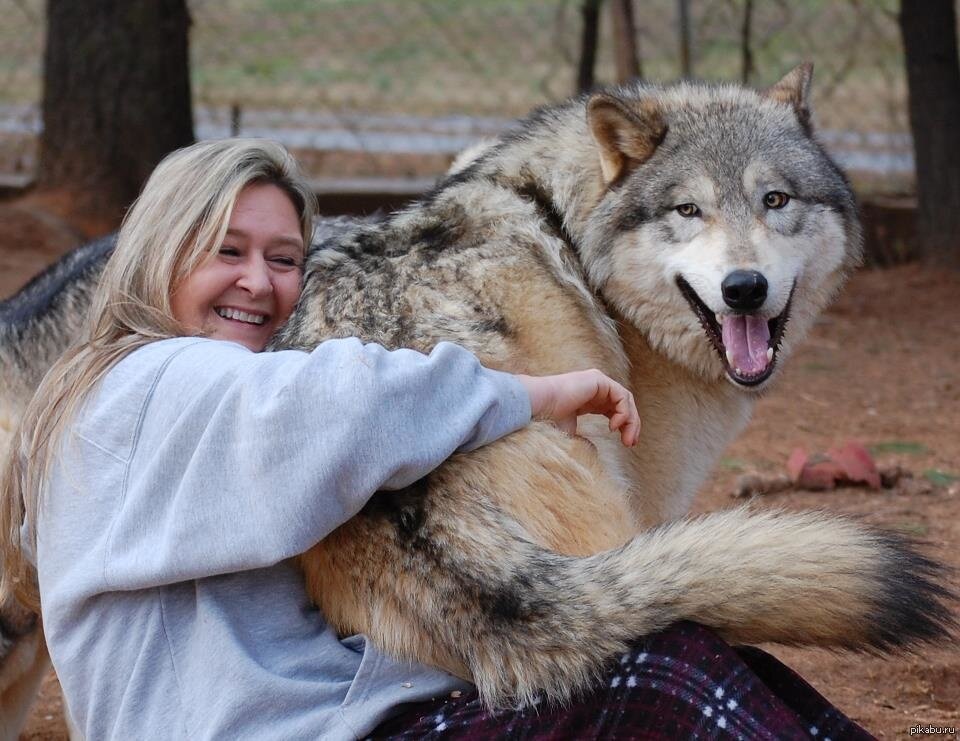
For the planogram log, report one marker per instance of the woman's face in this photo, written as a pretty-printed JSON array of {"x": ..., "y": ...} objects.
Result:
[{"x": 251, "y": 285}]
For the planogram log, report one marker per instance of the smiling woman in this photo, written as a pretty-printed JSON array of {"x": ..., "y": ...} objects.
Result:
[{"x": 246, "y": 288}]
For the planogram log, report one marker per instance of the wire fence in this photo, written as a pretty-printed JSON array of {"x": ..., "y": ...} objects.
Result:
[{"x": 392, "y": 78}]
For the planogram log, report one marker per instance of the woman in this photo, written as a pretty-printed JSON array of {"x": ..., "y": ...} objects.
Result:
[{"x": 167, "y": 471}]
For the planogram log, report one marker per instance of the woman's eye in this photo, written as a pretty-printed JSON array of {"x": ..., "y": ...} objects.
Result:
[
  {"x": 286, "y": 261},
  {"x": 688, "y": 210},
  {"x": 228, "y": 251},
  {"x": 776, "y": 199}
]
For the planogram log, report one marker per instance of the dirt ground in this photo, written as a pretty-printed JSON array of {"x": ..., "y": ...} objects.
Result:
[{"x": 881, "y": 367}]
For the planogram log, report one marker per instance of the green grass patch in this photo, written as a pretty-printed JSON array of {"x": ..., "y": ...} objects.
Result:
[
  {"x": 939, "y": 478},
  {"x": 905, "y": 447}
]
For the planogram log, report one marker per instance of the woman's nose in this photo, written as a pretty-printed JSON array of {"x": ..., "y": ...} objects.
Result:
[{"x": 255, "y": 278}]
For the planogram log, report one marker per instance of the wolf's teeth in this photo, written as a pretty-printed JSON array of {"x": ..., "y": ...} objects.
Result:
[
  {"x": 769, "y": 354},
  {"x": 719, "y": 319},
  {"x": 738, "y": 371},
  {"x": 730, "y": 357}
]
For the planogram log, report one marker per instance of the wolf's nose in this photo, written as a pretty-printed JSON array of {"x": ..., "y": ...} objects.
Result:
[{"x": 744, "y": 290}]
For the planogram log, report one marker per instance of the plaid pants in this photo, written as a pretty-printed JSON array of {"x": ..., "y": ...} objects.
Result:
[{"x": 682, "y": 683}]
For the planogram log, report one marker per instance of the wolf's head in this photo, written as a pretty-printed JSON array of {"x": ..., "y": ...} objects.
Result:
[{"x": 723, "y": 227}]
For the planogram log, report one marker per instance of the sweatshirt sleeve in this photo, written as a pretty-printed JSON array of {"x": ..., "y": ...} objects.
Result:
[{"x": 243, "y": 459}]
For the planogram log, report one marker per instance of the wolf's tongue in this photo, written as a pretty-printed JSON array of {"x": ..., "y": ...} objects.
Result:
[{"x": 746, "y": 338}]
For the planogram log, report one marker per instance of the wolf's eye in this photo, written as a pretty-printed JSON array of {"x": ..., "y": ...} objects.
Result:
[
  {"x": 688, "y": 210},
  {"x": 776, "y": 199}
]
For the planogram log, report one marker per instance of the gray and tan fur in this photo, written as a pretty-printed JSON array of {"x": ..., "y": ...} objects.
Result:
[{"x": 526, "y": 565}]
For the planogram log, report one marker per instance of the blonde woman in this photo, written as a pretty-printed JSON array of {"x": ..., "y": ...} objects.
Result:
[{"x": 166, "y": 469}]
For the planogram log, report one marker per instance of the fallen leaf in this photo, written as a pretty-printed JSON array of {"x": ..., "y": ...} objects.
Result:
[
  {"x": 820, "y": 474},
  {"x": 849, "y": 463},
  {"x": 856, "y": 463}
]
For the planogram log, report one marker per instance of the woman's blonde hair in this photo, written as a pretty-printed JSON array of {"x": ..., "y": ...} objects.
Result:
[{"x": 179, "y": 219}]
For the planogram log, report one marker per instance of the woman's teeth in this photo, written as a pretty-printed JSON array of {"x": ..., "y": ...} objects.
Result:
[{"x": 241, "y": 316}]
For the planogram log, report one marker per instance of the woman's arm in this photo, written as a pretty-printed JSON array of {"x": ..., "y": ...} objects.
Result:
[
  {"x": 243, "y": 459},
  {"x": 203, "y": 458}
]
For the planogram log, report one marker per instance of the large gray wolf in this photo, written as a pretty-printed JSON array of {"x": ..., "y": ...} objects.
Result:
[{"x": 682, "y": 240}]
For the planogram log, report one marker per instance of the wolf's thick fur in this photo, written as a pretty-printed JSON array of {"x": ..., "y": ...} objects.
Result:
[
  {"x": 526, "y": 565},
  {"x": 23, "y": 664}
]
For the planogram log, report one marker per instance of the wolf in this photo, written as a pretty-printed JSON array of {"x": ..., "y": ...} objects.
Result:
[{"x": 682, "y": 239}]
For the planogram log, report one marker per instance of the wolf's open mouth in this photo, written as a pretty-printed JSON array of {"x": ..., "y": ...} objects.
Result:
[{"x": 747, "y": 343}]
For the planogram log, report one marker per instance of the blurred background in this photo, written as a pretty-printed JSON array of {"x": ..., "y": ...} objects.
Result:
[
  {"x": 424, "y": 77},
  {"x": 376, "y": 96}
]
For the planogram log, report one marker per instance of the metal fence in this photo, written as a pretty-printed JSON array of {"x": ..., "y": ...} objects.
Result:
[{"x": 394, "y": 77}]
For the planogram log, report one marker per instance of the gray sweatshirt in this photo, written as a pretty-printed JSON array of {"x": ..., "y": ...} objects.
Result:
[{"x": 194, "y": 472}]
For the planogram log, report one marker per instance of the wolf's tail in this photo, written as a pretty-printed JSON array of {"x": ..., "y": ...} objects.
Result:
[{"x": 521, "y": 620}]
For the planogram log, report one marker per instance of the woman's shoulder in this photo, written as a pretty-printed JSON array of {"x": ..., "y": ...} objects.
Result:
[
  {"x": 186, "y": 356},
  {"x": 135, "y": 376},
  {"x": 172, "y": 368},
  {"x": 158, "y": 353}
]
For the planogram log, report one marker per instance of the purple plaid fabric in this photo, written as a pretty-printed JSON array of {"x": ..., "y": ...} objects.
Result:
[{"x": 684, "y": 682}]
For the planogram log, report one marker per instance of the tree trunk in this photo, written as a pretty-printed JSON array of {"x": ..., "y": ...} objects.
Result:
[
  {"x": 933, "y": 81},
  {"x": 116, "y": 98},
  {"x": 683, "y": 23},
  {"x": 625, "y": 52},
  {"x": 746, "y": 43},
  {"x": 590, "y": 12}
]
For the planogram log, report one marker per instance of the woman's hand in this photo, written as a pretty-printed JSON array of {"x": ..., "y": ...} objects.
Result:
[{"x": 564, "y": 397}]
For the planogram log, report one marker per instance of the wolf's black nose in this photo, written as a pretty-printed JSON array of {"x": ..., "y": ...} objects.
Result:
[{"x": 744, "y": 290}]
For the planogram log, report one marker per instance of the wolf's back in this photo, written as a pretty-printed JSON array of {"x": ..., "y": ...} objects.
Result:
[{"x": 41, "y": 320}]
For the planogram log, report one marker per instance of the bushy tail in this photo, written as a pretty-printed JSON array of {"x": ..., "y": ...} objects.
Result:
[{"x": 520, "y": 620}]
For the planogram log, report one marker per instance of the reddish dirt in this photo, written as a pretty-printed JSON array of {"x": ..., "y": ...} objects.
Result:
[{"x": 882, "y": 367}]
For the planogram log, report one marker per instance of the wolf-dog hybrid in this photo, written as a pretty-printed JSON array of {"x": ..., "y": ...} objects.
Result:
[{"x": 681, "y": 239}]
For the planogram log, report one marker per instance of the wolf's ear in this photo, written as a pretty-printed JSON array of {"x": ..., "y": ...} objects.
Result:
[
  {"x": 794, "y": 89},
  {"x": 626, "y": 134}
]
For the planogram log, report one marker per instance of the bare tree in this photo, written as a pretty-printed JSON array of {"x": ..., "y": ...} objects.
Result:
[
  {"x": 116, "y": 97},
  {"x": 933, "y": 80},
  {"x": 626, "y": 53},
  {"x": 746, "y": 42},
  {"x": 590, "y": 12},
  {"x": 683, "y": 22}
]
